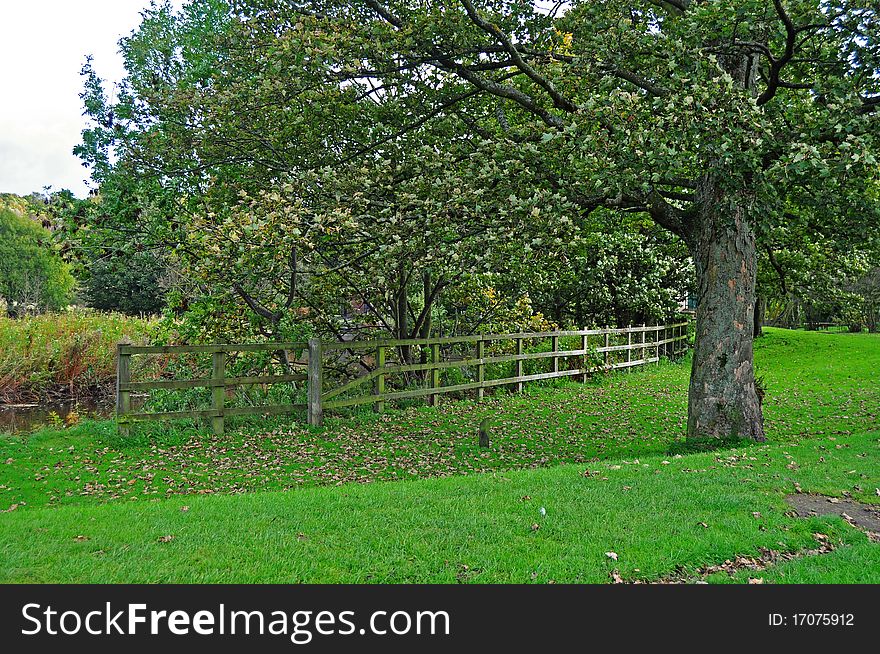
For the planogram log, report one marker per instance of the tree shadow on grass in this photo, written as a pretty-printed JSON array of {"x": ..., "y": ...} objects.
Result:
[{"x": 697, "y": 445}]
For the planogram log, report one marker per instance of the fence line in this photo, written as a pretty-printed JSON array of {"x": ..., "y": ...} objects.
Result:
[
  {"x": 666, "y": 340},
  {"x": 218, "y": 383}
]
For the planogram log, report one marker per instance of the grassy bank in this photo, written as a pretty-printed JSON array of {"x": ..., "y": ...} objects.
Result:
[
  {"x": 84, "y": 505},
  {"x": 67, "y": 354},
  {"x": 661, "y": 517}
]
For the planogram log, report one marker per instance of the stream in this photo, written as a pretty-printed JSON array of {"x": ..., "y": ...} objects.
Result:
[{"x": 26, "y": 418}]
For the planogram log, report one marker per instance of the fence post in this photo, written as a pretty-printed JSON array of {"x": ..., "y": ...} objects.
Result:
[
  {"x": 316, "y": 414},
  {"x": 123, "y": 395},
  {"x": 434, "y": 398},
  {"x": 644, "y": 350},
  {"x": 657, "y": 343},
  {"x": 665, "y": 344},
  {"x": 218, "y": 390},
  {"x": 481, "y": 368},
  {"x": 585, "y": 346},
  {"x": 629, "y": 342},
  {"x": 519, "y": 365},
  {"x": 554, "y": 341},
  {"x": 379, "y": 405},
  {"x": 607, "y": 345}
]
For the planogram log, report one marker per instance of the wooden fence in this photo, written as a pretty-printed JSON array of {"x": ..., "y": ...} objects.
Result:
[
  {"x": 611, "y": 349},
  {"x": 218, "y": 382}
]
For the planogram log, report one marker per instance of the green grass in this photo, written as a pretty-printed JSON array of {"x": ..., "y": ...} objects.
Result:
[
  {"x": 121, "y": 497},
  {"x": 476, "y": 529}
]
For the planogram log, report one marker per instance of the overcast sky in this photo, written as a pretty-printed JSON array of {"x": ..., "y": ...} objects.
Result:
[{"x": 43, "y": 45}]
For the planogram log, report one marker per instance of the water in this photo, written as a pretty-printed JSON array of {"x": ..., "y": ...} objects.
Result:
[{"x": 25, "y": 418}]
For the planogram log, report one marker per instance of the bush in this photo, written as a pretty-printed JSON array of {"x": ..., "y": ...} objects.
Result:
[
  {"x": 64, "y": 354},
  {"x": 127, "y": 284},
  {"x": 32, "y": 275}
]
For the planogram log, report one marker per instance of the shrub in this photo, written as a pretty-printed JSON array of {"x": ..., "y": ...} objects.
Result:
[{"x": 72, "y": 353}]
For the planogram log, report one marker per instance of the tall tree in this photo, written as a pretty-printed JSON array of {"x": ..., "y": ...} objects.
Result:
[
  {"x": 705, "y": 115},
  {"x": 714, "y": 118}
]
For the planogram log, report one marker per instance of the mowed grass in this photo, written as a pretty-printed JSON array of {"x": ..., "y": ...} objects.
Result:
[
  {"x": 662, "y": 517},
  {"x": 90, "y": 507}
]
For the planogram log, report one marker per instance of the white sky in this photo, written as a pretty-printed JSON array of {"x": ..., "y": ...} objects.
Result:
[{"x": 43, "y": 45}]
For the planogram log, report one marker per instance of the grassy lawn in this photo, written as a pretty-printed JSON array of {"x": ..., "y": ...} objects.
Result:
[{"x": 89, "y": 507}]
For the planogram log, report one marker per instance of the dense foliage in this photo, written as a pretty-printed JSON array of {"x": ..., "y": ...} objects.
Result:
[{"x": 33, "y": 276}]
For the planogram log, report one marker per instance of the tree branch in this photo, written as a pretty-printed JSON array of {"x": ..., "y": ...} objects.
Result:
[{"x": 559, "y": 101}]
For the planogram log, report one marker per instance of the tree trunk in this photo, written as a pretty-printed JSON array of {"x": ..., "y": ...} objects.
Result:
[
  {"x": 401, "y": 320},
  {"x": 722, "y": 400},
  {"x": 760, "y": 304}
]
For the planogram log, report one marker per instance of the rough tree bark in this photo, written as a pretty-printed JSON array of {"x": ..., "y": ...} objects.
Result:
[{"x": 723, "y": 401}]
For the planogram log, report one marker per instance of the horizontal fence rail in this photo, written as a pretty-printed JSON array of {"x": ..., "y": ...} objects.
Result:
[{"x": 595, "y": 350}]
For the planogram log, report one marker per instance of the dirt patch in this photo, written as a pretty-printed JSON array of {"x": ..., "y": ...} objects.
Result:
[
  {"x": 759, "y": 563},
  {"x": 863, "y": 516}
]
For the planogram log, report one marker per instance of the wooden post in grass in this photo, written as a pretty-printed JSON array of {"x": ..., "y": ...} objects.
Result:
[
  {"x": 379, "y": 390},
  {"x": 585, "y": 346},
  {"x": 519, "y": 365},
  {"x": 316, "y": 414},
  {"x": 554, "y": 342},
  {"x": 218, "y": 390},
  {"x": 481, "y": 368},
  {"x": 434, "y": 398},
  {"x": 485, "y": 427},
  {"x": 123, "y": 395}
]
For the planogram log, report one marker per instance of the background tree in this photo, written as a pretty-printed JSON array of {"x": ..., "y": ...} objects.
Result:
[{"x": 33, "y": 276}]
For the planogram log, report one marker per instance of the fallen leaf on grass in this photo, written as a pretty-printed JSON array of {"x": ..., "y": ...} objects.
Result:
[
  {"x": 536, "y": 527},
  {"x": 611, "y": 555},
  {"x": 166, "y": 539},
  {"x": 81, "y": 539},
  {"x": 756, "y": 580},
  {"x": 184, "y": 509}
]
